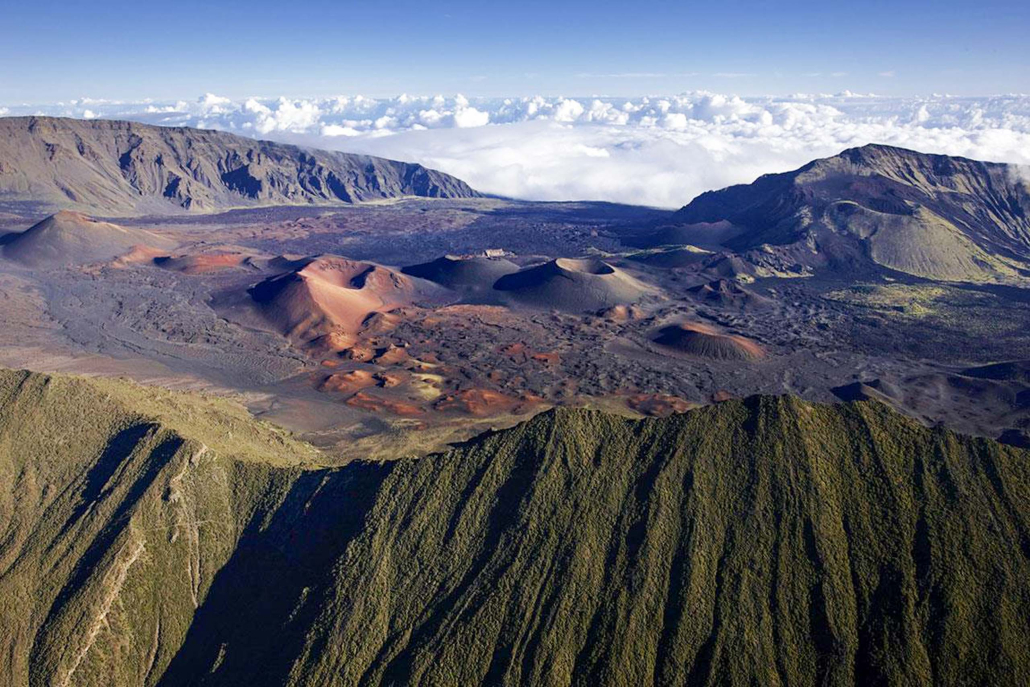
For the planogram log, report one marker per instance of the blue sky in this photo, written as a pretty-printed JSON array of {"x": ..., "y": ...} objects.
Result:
[{"x": 58, "y": 50}]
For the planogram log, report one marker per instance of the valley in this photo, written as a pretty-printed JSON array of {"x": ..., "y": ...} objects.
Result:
[{"x": 451, "y": 316}]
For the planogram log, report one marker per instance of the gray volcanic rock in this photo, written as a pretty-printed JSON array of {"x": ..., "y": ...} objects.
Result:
[
  {"x": 671, "y": 258},
  {"x": 463, "y": 273},
  {"x": 932, "y": 216},
  {"x": 1013, "y": 371},
  {"x": 120, "y": 168},
  {"x": 727, "y": 293},
  {"x": 576, "y": 285}
]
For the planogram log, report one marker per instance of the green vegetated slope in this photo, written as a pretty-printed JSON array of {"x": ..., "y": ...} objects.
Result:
[
  {"x": 115, "y": 519},
  {"x": 767, "y": 541},
  {"x": 764, "y": 541}
]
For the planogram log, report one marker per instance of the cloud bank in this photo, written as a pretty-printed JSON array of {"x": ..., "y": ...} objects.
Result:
[{"x": 660, "y": 151}]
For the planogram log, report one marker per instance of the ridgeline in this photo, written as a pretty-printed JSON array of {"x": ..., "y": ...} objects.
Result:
[{"x": 155, "y": 538}]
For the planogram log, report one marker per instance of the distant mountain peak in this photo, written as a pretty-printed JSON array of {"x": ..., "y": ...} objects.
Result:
[
  {"x": 123, "y": 168},
  {"x": 933, "y": 216}
]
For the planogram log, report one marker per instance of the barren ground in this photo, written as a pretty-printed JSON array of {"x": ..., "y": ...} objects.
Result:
[{"x": 433, "y": 372}]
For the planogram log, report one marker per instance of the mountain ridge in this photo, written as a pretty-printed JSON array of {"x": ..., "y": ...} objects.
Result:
[
  {"x": 113, "y": 167},
  {"x": 933, "y": 216},
  {"x": 765, "y": 540}
]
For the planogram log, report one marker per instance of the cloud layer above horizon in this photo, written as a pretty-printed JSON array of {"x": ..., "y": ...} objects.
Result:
[{"x": 659, "y": 151}]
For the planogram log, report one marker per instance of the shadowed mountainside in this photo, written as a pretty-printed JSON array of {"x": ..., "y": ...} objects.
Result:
[
  {"x": 932, "y": 216},
  {"x": 125, "y": 168},
  {"x": 120, "y": 504},
  {"x": 159, "y": 538}
]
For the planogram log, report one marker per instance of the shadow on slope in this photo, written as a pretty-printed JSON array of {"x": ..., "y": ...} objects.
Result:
[{"x": 261, "y": 604}]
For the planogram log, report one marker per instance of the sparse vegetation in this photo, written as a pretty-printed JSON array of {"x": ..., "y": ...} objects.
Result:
[
  {"x": 915, "y": 301},
  {"x": 931, "y": 216}
]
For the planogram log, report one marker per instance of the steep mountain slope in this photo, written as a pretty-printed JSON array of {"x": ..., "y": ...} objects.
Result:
[
  {"x": 929, "y": 215},
  {"x": 119, "y": 506},
  {"x": 68, "y": 238},
  {"x": 764, "y": 541},
  {"x": 759, "y": 542},
  {"x": 118, "y": 168}
]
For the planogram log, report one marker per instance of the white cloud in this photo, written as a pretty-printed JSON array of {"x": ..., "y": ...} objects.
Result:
[
  {"x": 568, "y": 111},
  {"x": 467, "y": 117},
  {"x": 1021, "y": 173},
  {"x": 209, "y": 103},
  {"x": 333, "y": 130},
  {"x": 675, "y": 120},
  {"x": 651, "y": 150}
]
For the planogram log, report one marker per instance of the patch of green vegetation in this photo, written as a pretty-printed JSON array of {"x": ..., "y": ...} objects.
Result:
[
  {"x": 221, "y": 423},
  {"x": 762, "y": 541},
  {"x": 120, "y": 505},
  {"x": 915, "y": 301},
  {"x": 942, "y": 322},
  {"x": 946, "y": 322}
]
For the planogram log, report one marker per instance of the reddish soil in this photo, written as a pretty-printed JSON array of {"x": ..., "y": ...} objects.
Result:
[
  {"x": 478, "y": 402},
  {"x": 202, "y": 263},
  {"x": 374, "y": 404},
  {"x": 391, "y": 355},
  {"x": 347, "y": 382}
]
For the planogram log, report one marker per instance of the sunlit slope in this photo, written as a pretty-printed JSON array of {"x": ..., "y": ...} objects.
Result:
[
  {"x": 149, "y": 537},
  {"x": 767, "y": 541},
  {"x": 933, "y": 216},
  {"x": 69, "y": 238}
]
